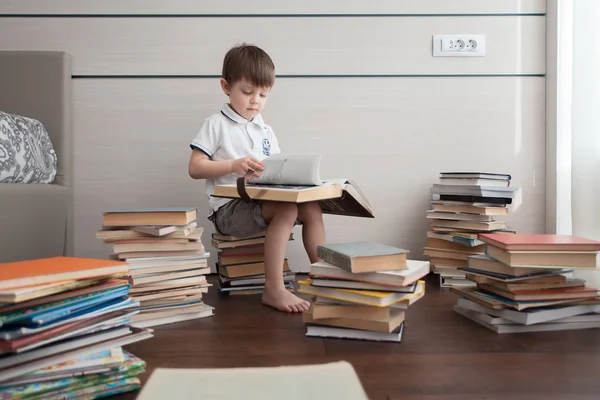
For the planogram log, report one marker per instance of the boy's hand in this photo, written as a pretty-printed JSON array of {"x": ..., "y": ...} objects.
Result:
[{"x": 248, "y": 166}]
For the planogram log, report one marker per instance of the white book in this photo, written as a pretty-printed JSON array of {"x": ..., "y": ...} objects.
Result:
[
  {"x": 545, "y": 327},
  {"x": 336, "y": 380},
  {"x": 532, "y": 316},
  {"x": 172, "y": 319}
]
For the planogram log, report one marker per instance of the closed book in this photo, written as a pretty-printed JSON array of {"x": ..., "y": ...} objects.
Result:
[
  {"x": 360, "y": 257},
  {"x": 539, "y": 242}
]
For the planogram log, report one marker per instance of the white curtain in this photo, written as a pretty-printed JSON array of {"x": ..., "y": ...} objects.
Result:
[{"x": 578, "y": 123}]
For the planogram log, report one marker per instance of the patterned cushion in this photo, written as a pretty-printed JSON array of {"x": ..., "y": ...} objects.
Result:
[{"x": 26, "y": 152}]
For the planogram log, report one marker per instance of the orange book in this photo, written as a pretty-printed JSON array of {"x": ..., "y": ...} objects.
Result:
[
  {"x": 56, "y": 269},
  {"x": 539, "y": 242}
]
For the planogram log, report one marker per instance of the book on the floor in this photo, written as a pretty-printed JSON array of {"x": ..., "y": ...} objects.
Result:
[
  {"x": 345, "y": 333},
  {"x": 483, "y": 262},
  {"x": 468, "y": 198},
  {"x": 366, "y": 297},
  {"x": 532, "y": 316},
  {"x": 114, "y": 233},
  {"x": 511, "y": 278},
  {"x": 149, "y": 216},
  {"x": 469, "y": 225},
  {"x": 498, "y": 302},
  {"x": 544, "y": 282},
  {"x": 358, "y": 257},
  {"x": 49, "y": 355},
  {"x": 472, "y": 190},
  {"x": 482, "y": 320},
  {"x": 546, "y": 259},
  {"x": 246, "y": 269},
  {"x": 384, "y": 325},
  {"x": 474, "y": 175},
  {"x": 471, "y": 208},
  {"x": 322, "y": 309},
  {"x": 539, "y": 242},
  {"x": 318, "y": 381},
  {"x": 56, "y": 269},
  {"x": 344, "y": 284},
  {"x": 415, "y": 270},
  {"x": 295, "y": 178},
  {"x": 569, "y": 293}
]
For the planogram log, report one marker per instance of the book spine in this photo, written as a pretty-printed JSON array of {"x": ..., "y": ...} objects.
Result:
[{"x": 334, "y": 258}]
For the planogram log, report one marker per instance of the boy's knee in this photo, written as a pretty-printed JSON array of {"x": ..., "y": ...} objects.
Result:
[
  {"x": 289, "y": 211},
  {"x": 310, "y": 210}
]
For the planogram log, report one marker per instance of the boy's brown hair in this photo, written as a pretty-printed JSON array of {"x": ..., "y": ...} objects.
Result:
[{"x": 250, "y": 62}]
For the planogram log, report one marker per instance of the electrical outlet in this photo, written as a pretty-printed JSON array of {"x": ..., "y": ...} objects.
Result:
[{"x": 458, "y": 45}]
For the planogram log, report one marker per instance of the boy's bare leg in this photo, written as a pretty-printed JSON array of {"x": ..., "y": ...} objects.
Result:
[
  {"x": 281, "y": 217},
  {"x": 313, "y": 230}
]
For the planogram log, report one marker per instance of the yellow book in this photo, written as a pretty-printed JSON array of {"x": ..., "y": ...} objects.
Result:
[{"x": 367, "y": 297}]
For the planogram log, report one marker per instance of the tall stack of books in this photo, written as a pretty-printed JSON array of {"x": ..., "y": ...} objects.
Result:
[
  {"x": 523, "y": 284},
  {"x": 463, "y": 205},
  {"x": 241, "y": 264},
  {"x": 63, "y": 322},
  {"x": 362, "y": 291},
  {"x": 167, "y": 262}
]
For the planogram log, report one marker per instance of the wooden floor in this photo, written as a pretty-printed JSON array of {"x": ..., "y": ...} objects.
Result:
[{"x": 443, "y": 355}]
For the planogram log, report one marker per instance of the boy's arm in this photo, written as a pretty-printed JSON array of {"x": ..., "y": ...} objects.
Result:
[{"x": 202, "y": 167}]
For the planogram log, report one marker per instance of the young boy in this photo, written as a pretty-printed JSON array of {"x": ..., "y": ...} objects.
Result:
[{"x": 231, "y": 144}]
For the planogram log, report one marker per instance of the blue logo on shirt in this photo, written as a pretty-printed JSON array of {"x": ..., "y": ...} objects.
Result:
[{"x": 266, "y": 147}]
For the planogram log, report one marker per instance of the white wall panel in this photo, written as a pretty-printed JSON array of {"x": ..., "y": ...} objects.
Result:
[
  {"x": 298, "y": 45},
  {"x": 392, "y": 135},
  {"x": 270, "y": 7}
]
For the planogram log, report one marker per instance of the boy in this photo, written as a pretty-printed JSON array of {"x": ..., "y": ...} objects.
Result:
[{"x": 231, "y": 144}]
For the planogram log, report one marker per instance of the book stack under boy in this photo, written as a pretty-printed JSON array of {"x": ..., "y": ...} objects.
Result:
[
  {"x": 463, "y": 205},
  {"x": 523, "y": 284},
  {"x": 63, "y": 322},
  {"x": 241, "y": 264},
  {"x": 362, "y": 291},
  {"x": 167, "y": 262}
]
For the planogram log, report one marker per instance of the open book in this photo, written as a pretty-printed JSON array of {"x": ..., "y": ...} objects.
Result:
[{"x": 295, "y": 178}]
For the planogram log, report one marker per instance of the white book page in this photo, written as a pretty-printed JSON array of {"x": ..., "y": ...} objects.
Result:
[{"x": 291, "y": 169}]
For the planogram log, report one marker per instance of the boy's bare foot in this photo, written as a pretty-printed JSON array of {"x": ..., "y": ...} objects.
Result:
[{"x": 283, "y": 300}]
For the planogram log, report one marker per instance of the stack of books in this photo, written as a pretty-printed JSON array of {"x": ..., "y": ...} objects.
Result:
[
  {"x": 463, "y": 205},
  {"x": 241, "y": 264},
  {"x": 362, "y": 291},
  {"x": 523, "y": 284},
  {"x": 167, "y": 262},
  {"x": 63, "y": 322}
]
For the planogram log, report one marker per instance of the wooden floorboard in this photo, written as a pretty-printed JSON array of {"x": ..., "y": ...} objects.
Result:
[{"x": 442, "y": 356}]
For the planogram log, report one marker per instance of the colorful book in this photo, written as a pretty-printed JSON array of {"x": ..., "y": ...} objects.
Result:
[{"x": 367, "y": 297}]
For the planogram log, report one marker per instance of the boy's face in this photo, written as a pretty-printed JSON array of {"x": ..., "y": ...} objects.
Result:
[{"x": 245, "y": 98}]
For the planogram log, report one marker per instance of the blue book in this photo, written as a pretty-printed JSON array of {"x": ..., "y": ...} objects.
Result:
[{"x": 23, "y": 316}]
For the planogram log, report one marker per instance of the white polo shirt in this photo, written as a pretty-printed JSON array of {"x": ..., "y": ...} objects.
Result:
[{"x": 229, "y": 136}]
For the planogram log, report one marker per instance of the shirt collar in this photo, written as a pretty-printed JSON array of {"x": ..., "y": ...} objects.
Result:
[{"x": 235, "y": 117}]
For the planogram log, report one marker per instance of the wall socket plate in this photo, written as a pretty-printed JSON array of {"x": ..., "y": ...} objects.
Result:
[{"x": 458, "y": 45}]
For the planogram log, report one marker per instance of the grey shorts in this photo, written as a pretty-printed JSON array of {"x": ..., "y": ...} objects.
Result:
[{"x": 239, "y": 218}]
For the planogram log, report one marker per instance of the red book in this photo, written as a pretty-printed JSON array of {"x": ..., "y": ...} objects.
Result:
[
  {"x": 571, "y": 293},
  {"x": 539, "y": 242}
]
